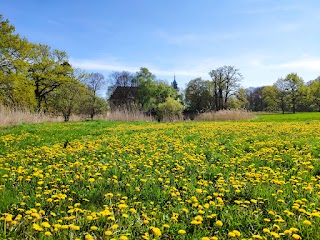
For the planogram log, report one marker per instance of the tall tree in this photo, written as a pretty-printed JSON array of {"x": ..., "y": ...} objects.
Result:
[
  {"x": 293, "y": 85},
  {"x": 94, "y": 82},
  {"x": 239, "y": 100},
  {"x": 198, "y": 95},
  {"x": 281, "y": 93},
  {"x": 67, "y": 99},
  {"x": 152, "y": 92},
  {"x": 48, "y": 70},
  {"x": 255, "y": 98},
  {"x": 314, "y": 90},
  {"x": 225, "y": 83},
  {"x": 270, "y": 98},
  {"x": 14, "y": 53}
]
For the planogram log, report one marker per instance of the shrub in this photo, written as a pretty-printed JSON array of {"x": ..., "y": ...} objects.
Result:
[{"x": 170, "y": 110}]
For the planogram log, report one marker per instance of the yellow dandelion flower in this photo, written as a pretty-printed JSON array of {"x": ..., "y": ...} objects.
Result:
[
  {"x": 88, "y": 237},
  {"x": 93, "y": 228},
  {"x": 45, "y": 224},
  {"x": 219, "y": 223},
  {"x": 156, "y": 231},
  {"x": 296, "y": 237},
  {"x": 37, "y": 227},
  {"x": 307, "y": 222}
]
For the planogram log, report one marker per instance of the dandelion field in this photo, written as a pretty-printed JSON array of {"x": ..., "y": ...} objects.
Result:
[{"x": 194, "y": 180}]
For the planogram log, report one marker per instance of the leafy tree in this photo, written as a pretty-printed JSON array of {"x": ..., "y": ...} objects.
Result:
[
  {"x": 225, "y": 83},
  {"x": 170, "y": 110},
  {"x": 152, "y": 92},
  {"x": 198, "y": 96},
  {"x": 239, "y": 100},
  {"x": 314, "y": 90},
  {"x": 255, "y": 98},
  {"x": 14, "y": 53},
  {"x": 68, "y": 98},
  {"x": 281, "y": 94},
  {"x": 271, "y": 98},
  {"x": 293, "y": 84},
  {"x": 48, "y": 70},
  {"x": 93, "y": 104}
]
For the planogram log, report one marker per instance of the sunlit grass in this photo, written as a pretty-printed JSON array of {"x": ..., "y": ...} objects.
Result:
[
  {"x": 308, "y": 116},
  {"x": 195, "y": 180}
]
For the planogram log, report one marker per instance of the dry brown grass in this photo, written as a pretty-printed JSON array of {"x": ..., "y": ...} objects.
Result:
[
  {"x": 127, "y": 116},
  {"x": 14, "y": 116},
  {"x": 225, "y": 115}
]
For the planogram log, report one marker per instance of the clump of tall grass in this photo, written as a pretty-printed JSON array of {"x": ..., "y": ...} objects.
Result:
[
  {"x": 14, "y": 116},
  {"x": 127, "y": 116},
  {"x": 224, "y": 115}
]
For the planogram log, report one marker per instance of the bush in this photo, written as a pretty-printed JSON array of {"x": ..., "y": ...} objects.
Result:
[{"x": 170, "y": 110}]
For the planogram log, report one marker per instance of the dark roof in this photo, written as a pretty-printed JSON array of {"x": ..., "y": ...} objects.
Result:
[{"x": 124, "y": 93}]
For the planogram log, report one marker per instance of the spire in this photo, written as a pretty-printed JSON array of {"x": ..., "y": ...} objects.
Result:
[{"x": 174, "y": 83}]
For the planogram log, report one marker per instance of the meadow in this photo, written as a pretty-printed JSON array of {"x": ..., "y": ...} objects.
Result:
[{"x": 256, "y": 179}]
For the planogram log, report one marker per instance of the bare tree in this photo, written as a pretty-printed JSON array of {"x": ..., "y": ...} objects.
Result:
[{"x": 225, "y": 82}]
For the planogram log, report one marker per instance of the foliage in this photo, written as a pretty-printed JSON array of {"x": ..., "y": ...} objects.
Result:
[
  {"x": 198, "y": 95},
  {"x": 256, "y": 99},
  {"x": 314, "y": 94},
  {"x": 294, "y": 85},
  {"x": 240, "y": 100},
  {"x": 193, "y": 180},
  {"x": 68, "y": 98},
  {"x": 152, "y": 92},
  {"x": 36, "y": 77},
  {"x": 92, "y": 103},
  {"x": 14, "y": 54},
  {"x": 48, "y": 70},
  {"x": 170, "y": 110}
]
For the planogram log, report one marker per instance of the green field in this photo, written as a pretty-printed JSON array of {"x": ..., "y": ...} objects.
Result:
[
  {"x": 257, "y": 179},
  {"x": 288, "y": 117}
]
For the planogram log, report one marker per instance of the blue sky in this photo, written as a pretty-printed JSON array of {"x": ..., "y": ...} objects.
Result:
[{"x": 264, "y": 39}]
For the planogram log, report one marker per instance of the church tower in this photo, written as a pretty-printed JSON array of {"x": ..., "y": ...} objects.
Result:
[{"x": 174, "y": 83}]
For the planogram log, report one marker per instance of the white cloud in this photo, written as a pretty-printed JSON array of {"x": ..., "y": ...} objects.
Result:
[
  {"x": 101, "y": 65},
  {"x": 257, "y": 69},
  {"x": 305, "y": 64}
]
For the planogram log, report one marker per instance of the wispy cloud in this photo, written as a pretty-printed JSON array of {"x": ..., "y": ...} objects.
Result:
[
  {"x": 310, "y": 64},
  {"x": 304, "y": 63},
  {"x": 258, "y": 69},
  {"x": 101, "y": 65},
  {"x": 271, "y": 9},
  {"x": 193, "y": 38}
]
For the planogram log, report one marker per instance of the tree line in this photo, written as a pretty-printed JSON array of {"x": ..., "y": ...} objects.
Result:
[
  {"x": 41, "y": 79},
  {"x": 223, "y": 91}
]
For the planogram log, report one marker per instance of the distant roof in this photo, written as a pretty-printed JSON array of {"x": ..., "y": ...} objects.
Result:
[{"x": 124, "y": 93}]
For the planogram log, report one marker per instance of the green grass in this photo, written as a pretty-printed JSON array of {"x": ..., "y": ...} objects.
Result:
[
  {"x": 288, "y": 117},
  {"x": 241, "y": 173}
]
